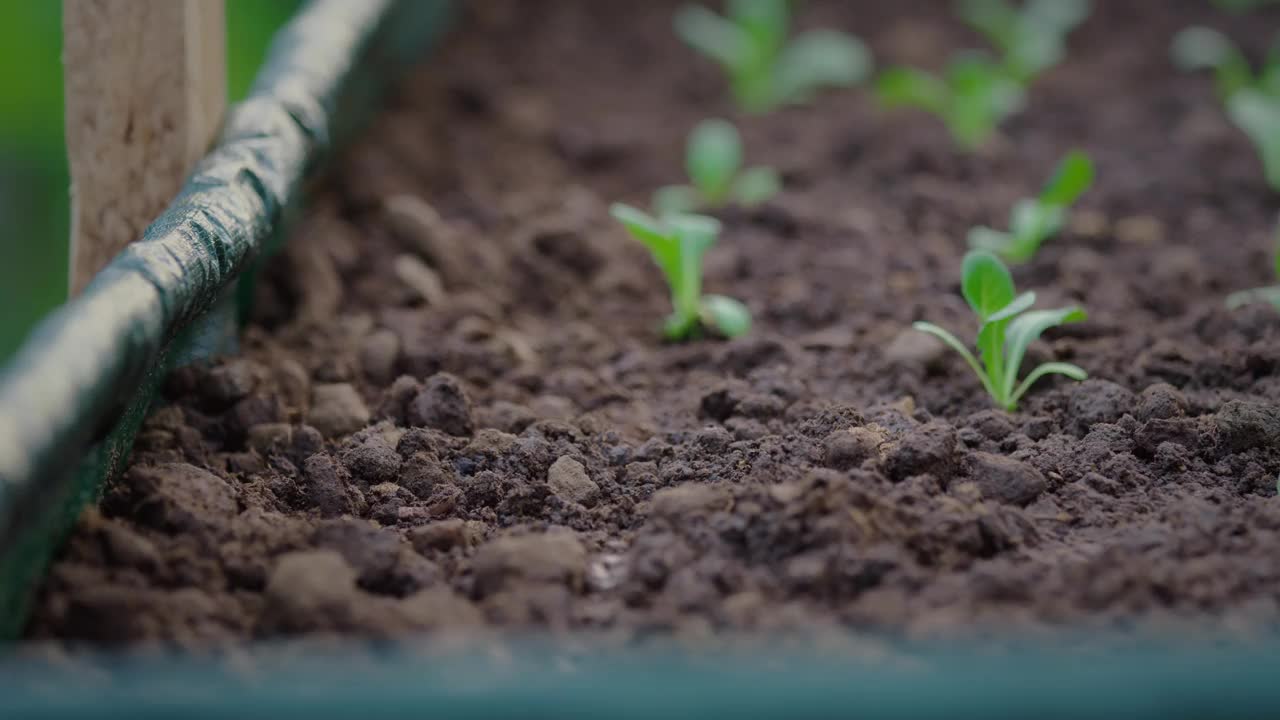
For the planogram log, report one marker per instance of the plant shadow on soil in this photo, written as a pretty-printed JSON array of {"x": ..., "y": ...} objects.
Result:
[{"x": 457, "y": 418}]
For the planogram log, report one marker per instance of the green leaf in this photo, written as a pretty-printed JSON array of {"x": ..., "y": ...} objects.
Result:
[
  {"x": 994, "y": 19},
  {"x": 680, "y": 326},
  {"x": 1059, "y": 15},
  {"x": 985, "y": 283},
  {"x": 1202, "y": 48},
  {"x": 952, "y": 342},
  {"x": 766, "y": 21},
  {"x": 1031, "y": 222},
  {"x": 725, "y": 315},
  {"x": 1050, "y": 368},
  {"x": 641, "y": 225},
  {"x": 657, "y": 237},
  {"x": 1070, "y": 180},
  {"x": 1034, "y": 50},
  {"x": 904, "y": 86},
  {"x": 695, "y": 234},
  {"x": 713, "y": 158},
  {"x": 756, "y": 185},
  {"x": 817, "y": 59},
  {"x": 1269, "y": 295},
  {"x": 1024, "y": 330},
  {"x": 982, "y": 95},
  {"x": 985, "y": 238},
  {"x": 1020, "y": 304},
  {"x": 712, "y": 35},
  {"x": 1259, "y": 116},
  {"x": 674, "y": 199}
]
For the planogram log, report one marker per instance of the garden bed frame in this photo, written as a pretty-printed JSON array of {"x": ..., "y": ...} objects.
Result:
[{"x": 73, "y": 398}]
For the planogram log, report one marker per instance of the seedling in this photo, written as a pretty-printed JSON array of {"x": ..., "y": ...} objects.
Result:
[
  {"x": 1030, "y": 39},
  {"x": 678, "y": 243},
  {"x": 1252, "y": 99},
  {"x": 1034, "y": 220},
  {"x": 1008, "y": 326},
  {"x": 765, "y": 70},
  {"x": 713, "y": 159},
  {"x": 974, "y": 95},
  {"x": 1270, "y": 294}
]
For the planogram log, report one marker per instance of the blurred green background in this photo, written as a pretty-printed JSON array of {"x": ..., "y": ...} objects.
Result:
[{"x": 33, "y": 164}]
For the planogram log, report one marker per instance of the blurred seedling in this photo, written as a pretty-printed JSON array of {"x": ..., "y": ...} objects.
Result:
[
  {"x": 972, "y": 96},
  {"x": 1008, "y": 326},
  {"x": 678, "y": 243},
  {"x": 1034, "y": 220},
  {"x": 977, "y": 92},
  {"x": 713, "y": 159},
  {"x": 1030, "y": 39},
  {"x": 1252, "y": 98},
  {"x": 766, "y": 69}
]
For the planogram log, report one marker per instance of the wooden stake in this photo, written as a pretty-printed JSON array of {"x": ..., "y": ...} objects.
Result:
[{"x": 145, "y": 94}]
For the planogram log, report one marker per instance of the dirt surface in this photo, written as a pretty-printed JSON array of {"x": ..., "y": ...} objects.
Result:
[{"x": 453, "y": 412}]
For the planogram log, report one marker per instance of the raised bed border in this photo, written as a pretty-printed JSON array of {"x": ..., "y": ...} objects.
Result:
[{"x": 73, "y": 398}]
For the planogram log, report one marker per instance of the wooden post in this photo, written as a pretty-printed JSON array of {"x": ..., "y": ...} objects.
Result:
[{"x": 145, "y": 84}]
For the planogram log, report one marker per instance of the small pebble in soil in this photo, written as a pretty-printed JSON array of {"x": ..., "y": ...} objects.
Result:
[
  {"x": 1160, "y": 402},
  {"x": 914, "y": 349},
  {"x": 372, "y": 460},
  {"x": 178, "y": 498},
  {"x": 687, "y": 499},
  {"x": 309, "y": 588},
  {"x": 378, "y": 354},
  {"x": 569, "y": 481},
  {"x": 1245, "y": 425},
  {"x": 1004, "y": 479},
  {"x": 556, "y": 557},
  {"x": 441, "y": 404},
  {"x": 337, "y": 409},
  {"x": 325, "y": 487},
  {"x": 1097, "y": 401},
  {"x": 928, "y": 449}
]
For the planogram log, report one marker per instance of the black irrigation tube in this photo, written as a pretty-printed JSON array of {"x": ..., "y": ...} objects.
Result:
[{"x": 72, "y": 400}]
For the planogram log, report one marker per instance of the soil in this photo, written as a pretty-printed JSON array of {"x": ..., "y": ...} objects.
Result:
[{"x": 453, "y": 412}]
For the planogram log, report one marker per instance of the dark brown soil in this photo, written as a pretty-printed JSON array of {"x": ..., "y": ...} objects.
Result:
[{"x": 464, "y": 419}]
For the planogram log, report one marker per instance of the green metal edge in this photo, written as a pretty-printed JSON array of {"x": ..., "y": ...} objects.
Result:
[{"x": 536, "y": 680}]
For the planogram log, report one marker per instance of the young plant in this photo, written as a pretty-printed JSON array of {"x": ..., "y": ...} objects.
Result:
[
  {"x": 1030, "y": 39},
  {"x": 1007, "y": 327},
  {"x": 1252, "y": 99},
  {"x": 765, "y": 70},
  {"x": 1270, "y": 294},
  {"x": 713, "y": 159},
  {"x": 977, "y": 92},
  {"x": 1034, "y": 220},
  {"x": 677, "y": 243},
  {"x": 972, "y": 97}
]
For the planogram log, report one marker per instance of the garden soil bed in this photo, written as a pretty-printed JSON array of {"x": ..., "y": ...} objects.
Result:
[{"x": 453, "y": 410}]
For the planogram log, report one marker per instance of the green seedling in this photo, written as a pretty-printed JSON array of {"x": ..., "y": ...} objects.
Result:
[
  {"x": 1030, "y": 39},
  {"x": 713, "y": 159},
  {"x": 766, "y": 70},
  {"x": 678, "y": 242},
  {"x": 1008, "y": 326},
  {"x": 1270, "y": 294},
  {"x": 972, "y": 97},
  {"x": 1252, "y": 98},
  {"x": 1034, "y": 220}
]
